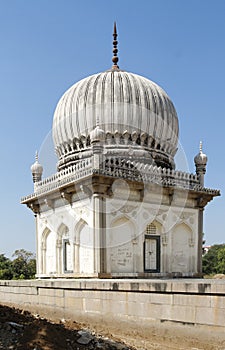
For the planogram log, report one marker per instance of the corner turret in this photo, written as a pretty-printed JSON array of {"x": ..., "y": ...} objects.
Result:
[
  {"x": 200, "y": 164},
  {"x": 36, "y": 170}
]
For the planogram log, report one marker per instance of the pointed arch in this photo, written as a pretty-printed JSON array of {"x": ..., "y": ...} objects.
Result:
[
  {"x": 63, "y": 249},
  {"x": 120, "y": 245},
  {"x": 182, "y": 248},
  {"x": 84, "y": 247},
  {"x": 62, "y": 230},
  {"x": 78, "y": 227},
  {"x": 48, "y": 255},
  {"x": 44, "y": 236},
  {"x": 184, "y": 223},
  {"x": 123, "y": 217}
]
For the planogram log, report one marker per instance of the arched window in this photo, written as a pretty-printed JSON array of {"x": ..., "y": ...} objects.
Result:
[{"x": 64, "y": 250}]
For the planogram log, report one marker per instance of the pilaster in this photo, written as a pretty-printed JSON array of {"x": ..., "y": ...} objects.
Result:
[
  {"x": 99, "y": 230},
  {"x": 200, "y": 235}
]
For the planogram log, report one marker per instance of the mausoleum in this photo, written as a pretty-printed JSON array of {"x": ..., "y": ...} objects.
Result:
[{"x": 117, "y": 206}]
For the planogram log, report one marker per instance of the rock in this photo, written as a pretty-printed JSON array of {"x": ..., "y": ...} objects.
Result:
[
  {"x": 84, "y": 340},
  {"x": 15, "y": 325},
  {"x": 83, "y": 332},
  {"x": 85, "y": 337},
  {"x": 100, "y": 346}
]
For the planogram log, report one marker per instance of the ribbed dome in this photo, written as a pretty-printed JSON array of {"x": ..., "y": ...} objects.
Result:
[{"x": 131, "y": 109}]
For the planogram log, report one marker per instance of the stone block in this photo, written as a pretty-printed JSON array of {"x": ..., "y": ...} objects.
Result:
[
  {"x": 218, "y": 302},
  {"x": 73, "y": 294},
  {"x": 73, "y": 303},
  {"x": 138, "y": 297},
  {"x": 184, "y": 314},
  {"x": 46, "y": 300},
  {"x": 189, "y": 300},
  {"x": 184, "y": 287},
  {"x": 92, "y": 305},
  {"x": 157, "y": 311},
  {"x": 59, "y": 302},
  {"x": 210, "y": 316},
  {"x": 46, "y": 292},
  {"x": 166, "y": 299},
  {"x": 218, "y": 287},
  {"x": 122, "y": 296},
  {"x": 114, "y": 307},
  {"x": 136, "y": 309},
  {"x": 59, "y": 293}
]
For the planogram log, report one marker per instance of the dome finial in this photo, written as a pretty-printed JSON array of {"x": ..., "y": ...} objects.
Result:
[
  {"x": 36, "y": 156},
  {"x": 200, "y": 147},
  {"x": 115, "y": 58}
]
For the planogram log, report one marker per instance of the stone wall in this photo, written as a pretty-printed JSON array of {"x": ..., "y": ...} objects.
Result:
[{"x": 114, "y": 302}]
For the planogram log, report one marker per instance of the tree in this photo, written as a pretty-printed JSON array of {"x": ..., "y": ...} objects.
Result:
[
  {"x": 5, "y": 268},
  {"x": 221, "y": 260},
  {"x": 24, "y": 264},
  {"x": 213, "y": 262}
]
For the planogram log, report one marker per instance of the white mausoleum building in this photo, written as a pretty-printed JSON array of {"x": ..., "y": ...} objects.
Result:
[{"x": 116, "y": 207}]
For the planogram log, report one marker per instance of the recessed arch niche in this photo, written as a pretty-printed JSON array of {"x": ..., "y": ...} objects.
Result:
[
  {"x": 120, "y": 245},
  {"x": 48, "y": 251},
  {"x": 182, "y": 251}
]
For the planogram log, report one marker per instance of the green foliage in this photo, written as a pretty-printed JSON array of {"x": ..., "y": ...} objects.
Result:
[
  {"x": 213, "y": 262},
  {"x": 23, "y": 266},
  {"x": 221, "y": 260},
  {"x": 5, "y": 268}
]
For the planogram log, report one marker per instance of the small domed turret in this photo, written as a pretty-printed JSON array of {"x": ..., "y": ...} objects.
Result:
[
  {"x": 97, "y": 134},
  {"x": 36, "y": 169},
  {"x": 200, "y": 164},
  {"x": 200, "y": 158}
]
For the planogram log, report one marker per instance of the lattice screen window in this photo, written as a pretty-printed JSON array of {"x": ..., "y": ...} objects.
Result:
[{"x": 151, "y": 229}]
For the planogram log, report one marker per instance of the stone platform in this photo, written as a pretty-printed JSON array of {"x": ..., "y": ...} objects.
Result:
[{"x": 135, "y": 303}]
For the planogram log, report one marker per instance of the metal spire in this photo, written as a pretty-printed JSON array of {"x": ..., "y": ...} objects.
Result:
[
  {"x": 200, "y": 147},
  {"x": 115, "y": 58},
  {"x": 36, "y": 156}
]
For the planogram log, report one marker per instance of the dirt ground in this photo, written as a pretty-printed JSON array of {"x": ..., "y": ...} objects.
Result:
[{"x": 21, "y": 330}]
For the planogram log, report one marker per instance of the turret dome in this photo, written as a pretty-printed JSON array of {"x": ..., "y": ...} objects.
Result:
[
  {"x": 36, "y": 169},
  {"x": 201, "y": 158}
]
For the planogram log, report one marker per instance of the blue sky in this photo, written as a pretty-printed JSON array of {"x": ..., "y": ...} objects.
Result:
[{"x": 46, "y": 46}]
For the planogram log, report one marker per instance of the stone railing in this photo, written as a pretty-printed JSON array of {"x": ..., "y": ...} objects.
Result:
[
  {"x": 64, "y": 177},
  {"x": 147, "y": 173},
  {"x": 119, "y": 168}
]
